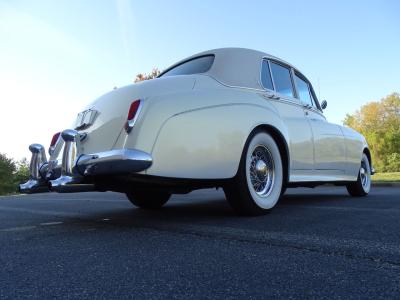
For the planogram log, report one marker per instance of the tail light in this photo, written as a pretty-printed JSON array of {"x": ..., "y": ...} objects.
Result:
[
  {"x": 133, "y": 114},
  {"x": 53, "y": 142}
]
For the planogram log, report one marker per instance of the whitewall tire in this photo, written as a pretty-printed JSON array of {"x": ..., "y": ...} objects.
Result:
[
  {"x": 258, "y": 184},
  {"x": 362, "y": 186}
]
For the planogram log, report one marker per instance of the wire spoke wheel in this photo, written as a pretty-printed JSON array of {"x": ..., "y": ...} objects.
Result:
[
  {"x": 364, "y": 175},
  {"x": 261, "y": 171}
]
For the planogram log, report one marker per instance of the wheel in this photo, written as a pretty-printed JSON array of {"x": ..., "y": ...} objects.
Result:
[
  {"x": 257, "y": 186},
  {"x": 148, "y": 199},
  {"x": 362, "y": 186}
]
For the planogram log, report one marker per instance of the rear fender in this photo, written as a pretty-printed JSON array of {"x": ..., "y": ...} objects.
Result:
[{"x": 207, "y": 143}]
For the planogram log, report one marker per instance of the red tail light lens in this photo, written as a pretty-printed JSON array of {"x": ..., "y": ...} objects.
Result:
[
  {"x": 132, "y": 114},
  {"x": 55, "y": 139},
  {"x": 133, "y": 110},
  {"x": 53, "y": 142}
]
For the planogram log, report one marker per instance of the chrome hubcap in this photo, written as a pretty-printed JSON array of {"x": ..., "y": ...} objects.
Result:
[
  {"x": 364, "y": 175},
  {"x": 262, "y": 171}
]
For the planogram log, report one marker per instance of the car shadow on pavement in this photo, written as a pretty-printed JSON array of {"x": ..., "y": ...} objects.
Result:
[{"x": 212, "y": 210}]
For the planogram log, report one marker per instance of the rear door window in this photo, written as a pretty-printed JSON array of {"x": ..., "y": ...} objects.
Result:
[{"x": 282, "y": 79}]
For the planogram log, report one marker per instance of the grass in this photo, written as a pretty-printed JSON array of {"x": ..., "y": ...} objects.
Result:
[{"x": 387, "y": 177}]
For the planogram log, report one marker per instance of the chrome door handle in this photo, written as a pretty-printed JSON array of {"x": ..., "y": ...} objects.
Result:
[{"x": 272, "y": 96}]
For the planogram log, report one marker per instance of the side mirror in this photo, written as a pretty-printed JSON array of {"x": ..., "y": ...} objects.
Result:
[{"x": 324, "y": 104}]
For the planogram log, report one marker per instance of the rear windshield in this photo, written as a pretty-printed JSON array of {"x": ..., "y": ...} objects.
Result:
[{"x": 196, "y": 65}]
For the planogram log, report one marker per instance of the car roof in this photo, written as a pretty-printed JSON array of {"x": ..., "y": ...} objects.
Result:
[{"x": 238, "y": 67}]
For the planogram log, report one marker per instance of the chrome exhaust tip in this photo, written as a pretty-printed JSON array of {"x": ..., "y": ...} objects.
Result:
[{"x": 37, "y": 171}]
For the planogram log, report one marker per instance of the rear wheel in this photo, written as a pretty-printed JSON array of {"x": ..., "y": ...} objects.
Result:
[
  {"x": 258, "y": 184},
  {"x": 362, "y": 186},
  {"x": 148, "y": 199}
]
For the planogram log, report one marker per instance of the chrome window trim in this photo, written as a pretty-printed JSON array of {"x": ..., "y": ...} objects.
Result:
[
  {"x": 290, "y": 74},
  {"x": 270, "y": 74},
  {"x": 317, "y": 106},
  {"x": 285, "y": 97},
  {"x": 301, "y": 77}
]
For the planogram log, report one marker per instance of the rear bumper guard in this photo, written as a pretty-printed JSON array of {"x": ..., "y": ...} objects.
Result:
[{"x": 75, "y": 168}]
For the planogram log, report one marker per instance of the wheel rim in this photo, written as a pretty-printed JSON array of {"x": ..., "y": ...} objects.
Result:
[
  {"x": 262, "y": 171},
  {"x": 364, "y": 175}
]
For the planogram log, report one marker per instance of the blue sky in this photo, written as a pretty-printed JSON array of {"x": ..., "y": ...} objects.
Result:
[{"x": 57, "y": 56}]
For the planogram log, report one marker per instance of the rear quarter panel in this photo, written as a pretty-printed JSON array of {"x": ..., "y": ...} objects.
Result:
[{"x": 206, "y": 141}]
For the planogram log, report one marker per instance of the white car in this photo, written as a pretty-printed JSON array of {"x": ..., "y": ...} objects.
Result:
[{"x": 233, "y": 118}]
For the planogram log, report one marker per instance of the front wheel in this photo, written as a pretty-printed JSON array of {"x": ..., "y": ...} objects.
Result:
[
  {"x": 362, "y": 186},
  {"x": 148, "y": 199},
  {"x": 258, "y": 184}
]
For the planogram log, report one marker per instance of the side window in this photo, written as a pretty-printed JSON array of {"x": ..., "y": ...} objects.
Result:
[
  {"x": 282, "y": 81},
  {"x": 266, "y": 79},
  {"x": 303, "y": 90}
]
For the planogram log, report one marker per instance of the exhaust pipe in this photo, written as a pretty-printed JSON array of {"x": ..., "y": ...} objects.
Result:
[
  {"x": 37, "y": 171},
  {"x": 70, "y": 181}
]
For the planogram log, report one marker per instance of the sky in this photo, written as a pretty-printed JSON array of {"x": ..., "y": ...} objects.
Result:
[{"x": 58, "y": 56}]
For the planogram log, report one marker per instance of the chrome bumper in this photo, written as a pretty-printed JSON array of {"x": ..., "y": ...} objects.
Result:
[{"x": 70, "y": 175}]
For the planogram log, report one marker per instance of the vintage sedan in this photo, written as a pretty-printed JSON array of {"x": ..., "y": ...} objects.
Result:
[{"x": 233, "y": 118}]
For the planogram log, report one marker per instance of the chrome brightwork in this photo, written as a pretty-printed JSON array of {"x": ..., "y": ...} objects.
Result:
[
  {"x": 53, "y": 148},
  {"x": 364, "y": 175},
  {"x": 274, "y": 96},
  {"x": 85, "y": 119},
  {"x": 262, "y": 171},
  {"x": 74, "y": 168},
  {"x": 54, "y": 169},
  {"x": 68, "y": 176},
  {"x": 37, "y": 170},
  {"x": 114, "y": 161}
]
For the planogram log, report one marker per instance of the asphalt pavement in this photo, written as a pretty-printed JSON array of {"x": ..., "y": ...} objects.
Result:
[{"x": 316, "y": 243}]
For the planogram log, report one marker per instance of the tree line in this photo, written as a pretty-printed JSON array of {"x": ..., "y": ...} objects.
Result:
[
  {"x": 12, "y": 173},
  {"x": 379, "y": 122}
]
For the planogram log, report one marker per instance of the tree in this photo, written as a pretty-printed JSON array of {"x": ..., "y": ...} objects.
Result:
[
  {"x": 12, "y": 174},
  {"x": 379, "y": 122},
  {"x": 22, "y": 173},
  {"x": 154, "y": 73},
  {"x": 7, "y": 170}
]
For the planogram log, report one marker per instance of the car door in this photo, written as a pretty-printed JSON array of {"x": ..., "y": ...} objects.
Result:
[
  {"x": 276, "y": 79},
  {"x": 329, "y": 144}
]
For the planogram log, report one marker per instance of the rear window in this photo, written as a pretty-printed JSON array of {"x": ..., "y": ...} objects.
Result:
[{"x": 194, "y": 66}]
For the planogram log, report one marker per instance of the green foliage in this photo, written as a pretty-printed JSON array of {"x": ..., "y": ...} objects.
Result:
[
  {"x": 12, "y": 174},
  {"x": 386, "y": 177},
  {"x": 22, "y": 173},
  {"x": 379, "y": 122},
  {"x": 7, "y": 170}
]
